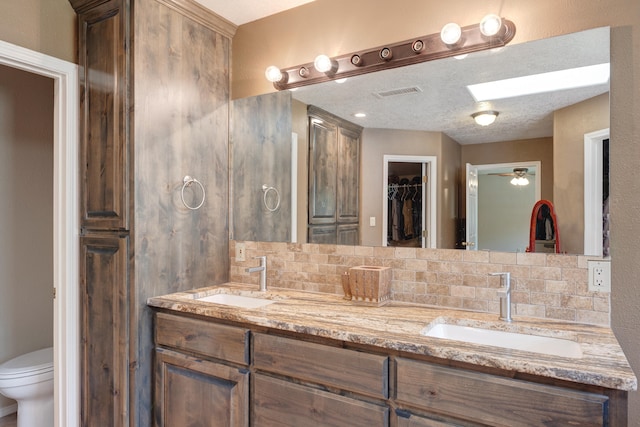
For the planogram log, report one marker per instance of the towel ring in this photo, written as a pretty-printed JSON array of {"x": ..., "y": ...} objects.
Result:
[
  {"x": 187, "y": 180},
  {"x": 266, "y": 190}
]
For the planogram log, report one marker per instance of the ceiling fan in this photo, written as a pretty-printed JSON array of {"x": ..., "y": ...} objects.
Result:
[{"x": 519, "y": 176}]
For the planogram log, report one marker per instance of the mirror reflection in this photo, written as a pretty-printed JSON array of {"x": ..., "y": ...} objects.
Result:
[{"x": 421, "y": 114}]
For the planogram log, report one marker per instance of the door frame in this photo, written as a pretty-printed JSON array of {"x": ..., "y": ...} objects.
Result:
[
  {"x": 593, "y": 191},
  {"x": 430, "y": 194},
  {"x": 66, "y": 341}
]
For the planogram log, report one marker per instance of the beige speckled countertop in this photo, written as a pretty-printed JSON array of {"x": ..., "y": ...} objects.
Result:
[{"x": 397, "y": 326}]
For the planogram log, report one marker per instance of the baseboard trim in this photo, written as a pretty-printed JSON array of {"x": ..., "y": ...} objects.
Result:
[{"x": 8, "y": 410}]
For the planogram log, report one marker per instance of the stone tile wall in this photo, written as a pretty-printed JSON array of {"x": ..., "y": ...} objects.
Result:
[{"x": 543, "y": 285}]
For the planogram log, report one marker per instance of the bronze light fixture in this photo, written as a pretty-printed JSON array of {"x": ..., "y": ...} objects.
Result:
[{"x": 492, "y": 32}]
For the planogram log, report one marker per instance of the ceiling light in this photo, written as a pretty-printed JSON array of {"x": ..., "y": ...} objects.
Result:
[
  {"x": 519, "y": 180},
  {"x": 273, "y": 74},
  {"x": 451, "y": 33},
  {"x": 490, "y": 25},
  {"x": 485, "y": 118},
  {"x": 324, "y": 64},
  {"x": 360, "y": 115},
  {"x": 339, "y": 81},
  {"x": 540, "y": 83}
]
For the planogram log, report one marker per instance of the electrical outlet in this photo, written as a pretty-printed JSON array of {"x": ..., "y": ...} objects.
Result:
[
  {"x": 599, "y": 276},
  {"x": 240, "y": 252}
]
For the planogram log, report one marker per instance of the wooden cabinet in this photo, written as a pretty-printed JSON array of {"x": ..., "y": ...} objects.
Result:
[
  {"x": 309, "y": 381},
  {"x": 149, "y": 115},
  {"x": 492, "y": 400},
  {"x": 201, "y": 373},
  {"x": 334, "y": 177},
  {"x": 192, "y": 391},
  {"x": 104, "y": 325},
  {"x": 279, "y": 403}
]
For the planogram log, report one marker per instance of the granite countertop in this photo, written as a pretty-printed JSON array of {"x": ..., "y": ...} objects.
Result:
[{"x": 397, "y": 326}]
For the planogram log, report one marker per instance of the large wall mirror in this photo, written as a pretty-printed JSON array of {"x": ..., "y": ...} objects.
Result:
[{"x": 424, "y": 110}]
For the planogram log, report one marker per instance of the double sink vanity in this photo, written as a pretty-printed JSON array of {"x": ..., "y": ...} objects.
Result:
[{"x": 235, "y": 355}]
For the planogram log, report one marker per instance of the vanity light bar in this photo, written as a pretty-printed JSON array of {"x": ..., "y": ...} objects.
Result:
[{"x": 408, "y": 52}]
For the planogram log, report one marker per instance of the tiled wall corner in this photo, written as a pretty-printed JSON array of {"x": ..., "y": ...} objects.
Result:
[{"x": 544, "y": 285}]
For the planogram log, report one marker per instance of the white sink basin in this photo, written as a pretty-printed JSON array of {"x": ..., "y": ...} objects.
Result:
[
  {"x": 237, "y": 300},
  {"x": 516, "y": 341}
]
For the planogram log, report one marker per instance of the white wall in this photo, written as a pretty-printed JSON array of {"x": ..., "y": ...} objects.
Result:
[
  {"x": 504, "y": 214},
  {"x": 26, "y": 214}
]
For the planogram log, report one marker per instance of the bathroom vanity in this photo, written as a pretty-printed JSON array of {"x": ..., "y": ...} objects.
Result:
[{"x": 307, "y": 359}]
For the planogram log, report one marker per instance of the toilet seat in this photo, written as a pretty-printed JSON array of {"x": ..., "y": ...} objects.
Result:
[{"x": 36, "y": 363}]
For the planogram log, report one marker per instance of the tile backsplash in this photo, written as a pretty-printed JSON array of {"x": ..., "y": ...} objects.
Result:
[{"x": 543, "y": 285}]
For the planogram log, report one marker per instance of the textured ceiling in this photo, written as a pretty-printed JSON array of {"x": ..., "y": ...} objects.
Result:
[
  {"x": 242, "y": 11},
  {"x": 444, "y": 103}
]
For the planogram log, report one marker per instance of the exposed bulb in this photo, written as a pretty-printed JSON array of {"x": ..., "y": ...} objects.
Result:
[
  {"x": 273, "y": 74},
  {"x": 323, "y": 63},
  {"x": 451, "y": 33},
  {"x": 490, "y": 25}
]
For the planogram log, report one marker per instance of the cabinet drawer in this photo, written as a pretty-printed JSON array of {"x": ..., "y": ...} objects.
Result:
[
  {"x": 217, "y": 341},
  {"x": 331, "y": 366},
  {"x": 280, "y": 403},
  {"x": 494, "y": 400}
]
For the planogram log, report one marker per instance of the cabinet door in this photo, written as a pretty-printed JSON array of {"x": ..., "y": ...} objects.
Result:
[
  {"x": 104, "y": 330},
  {"x": 348, "y": 180},
  {"x": 323, "y": 234},
  {"x": 103, "y": 106},
  {"x": 407, "y": 419},
  {"x": 323, "y": 154},
  {"x": 278, "y": 403},
  {"x": 195, "y": 392},
  {"x": 349, "y": 234}
]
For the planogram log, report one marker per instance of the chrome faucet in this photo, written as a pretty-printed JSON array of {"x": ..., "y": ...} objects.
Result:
[
  {"x": 505, "y": 296},
  {"x": 263, "y": 272}
]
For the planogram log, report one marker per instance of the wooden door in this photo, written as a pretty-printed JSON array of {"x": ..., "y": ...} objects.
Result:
[
  {"x": 348, "y": 179},
  {"x": 104, "y": 325},
  {"x": 103, "y": 110},
  {"x": 323, "y": 155},
  {"x": 195, "y": 392}
]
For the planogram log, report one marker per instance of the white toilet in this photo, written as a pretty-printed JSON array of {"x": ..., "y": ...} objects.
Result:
[{"x": 28, "y": 379}]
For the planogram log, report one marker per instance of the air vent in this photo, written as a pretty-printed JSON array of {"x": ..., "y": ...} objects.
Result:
[{"x": 397, "y": 92}]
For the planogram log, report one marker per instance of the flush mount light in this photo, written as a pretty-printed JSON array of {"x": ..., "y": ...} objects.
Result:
[
  {"x": 324, "y": 64},
  {"x": 451, "y": 33},
  {"x": 273, "y": 74},
  {"x": 485, "y": 118},
  {"x": 490, "y": 25},
  {"x": 360, "y": 115},
  {"x": 340, "y": 81}
]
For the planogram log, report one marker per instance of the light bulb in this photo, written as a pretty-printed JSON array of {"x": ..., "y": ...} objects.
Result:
[
  {"x": 323, "y": 63},
  {"x": 451, "y": 33},
  {"x": 514, "y": 181},
  {"x": 490, "y": 25},
  {"x": 273, "y": 74}
]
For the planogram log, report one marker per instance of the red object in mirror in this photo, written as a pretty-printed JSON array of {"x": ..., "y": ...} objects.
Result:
[{"x": 544, "y": 235}]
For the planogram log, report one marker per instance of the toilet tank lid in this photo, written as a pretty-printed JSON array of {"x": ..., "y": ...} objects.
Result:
[{"x": 36, "y": 360}]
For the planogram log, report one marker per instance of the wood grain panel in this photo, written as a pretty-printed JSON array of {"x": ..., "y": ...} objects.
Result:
[
  {"x": 348, "y": 178},
  {"x": 210, "y": 339},
  {"x": 261, "y": 151},
  {"x": 412, "y": 420},
  {"x": 323, "y": 234},
  {"x": 348, "y": 234},
  {"x": 323, "y": 156},
  {"x": 277, "y": 403},
  {"x": 495, "y": 400},
  {"x": 193, "y": 392},
  {"x": 104, "y": 122},
  {"x": 336, "y": 367},
  {"x": 104, "y": 330}
]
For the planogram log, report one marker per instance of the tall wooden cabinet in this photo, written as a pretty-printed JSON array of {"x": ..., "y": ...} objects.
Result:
[
  {"x": 154, "y": 102},
  {"x": 334, "y": 179}
]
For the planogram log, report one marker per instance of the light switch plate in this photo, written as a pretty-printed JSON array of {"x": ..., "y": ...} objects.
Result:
[
  {"x": 599, "y": 276},
  {"x": 240, "y": 252},
  {"x": 372, "y": 221}
]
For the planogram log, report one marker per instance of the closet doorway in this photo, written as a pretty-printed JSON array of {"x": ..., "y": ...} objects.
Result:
[{"x": 409, "y": 201}]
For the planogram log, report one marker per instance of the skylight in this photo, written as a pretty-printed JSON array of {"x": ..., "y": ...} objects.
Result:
[{"x": 540, "y": 83}]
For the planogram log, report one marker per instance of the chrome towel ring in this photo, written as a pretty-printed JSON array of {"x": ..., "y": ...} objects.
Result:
[
  {"x": 267, "y": 189},
  {"x": 187, "y": 180}
]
